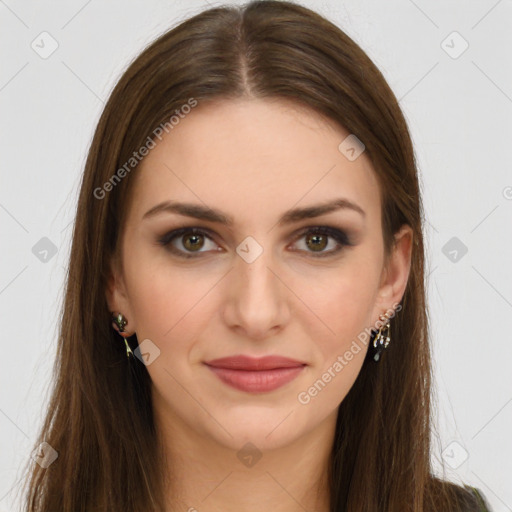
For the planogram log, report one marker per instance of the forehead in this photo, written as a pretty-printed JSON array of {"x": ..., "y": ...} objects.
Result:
[{"x": 244, "y": 156}]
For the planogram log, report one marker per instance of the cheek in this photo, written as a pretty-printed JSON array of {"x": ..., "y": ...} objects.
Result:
[
  {"x": 346, "y": 306},
  {"x": 340, "y": 351},
  {"x": 176, "y": 307},
  {"x": 163, "y": 296}
]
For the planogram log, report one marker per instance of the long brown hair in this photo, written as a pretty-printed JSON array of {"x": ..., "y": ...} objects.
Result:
[{"x": 100, "y": 418}]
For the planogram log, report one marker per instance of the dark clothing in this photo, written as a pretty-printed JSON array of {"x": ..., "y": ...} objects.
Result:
[{"x": 482, "y": 502}]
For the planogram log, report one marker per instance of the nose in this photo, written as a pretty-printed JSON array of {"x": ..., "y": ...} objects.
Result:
[{"x": 256, "y": 302}]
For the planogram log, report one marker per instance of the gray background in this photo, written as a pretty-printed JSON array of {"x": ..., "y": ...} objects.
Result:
[{"x": 458, "y": 105}]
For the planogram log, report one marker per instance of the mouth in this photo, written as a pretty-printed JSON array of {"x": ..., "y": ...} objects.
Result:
[{"x": 256, "y": 375}]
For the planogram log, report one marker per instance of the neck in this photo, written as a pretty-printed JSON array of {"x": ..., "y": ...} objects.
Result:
[{"x": 204, "y": 475}]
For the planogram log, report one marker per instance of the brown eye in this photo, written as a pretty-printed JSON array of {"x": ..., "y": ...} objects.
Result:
[
  {"x": 317, "y": 238},
  {"x": 316, "y": 242},
  {"x": 185, "y": 242},
  {"x": 193, "y": 242}
]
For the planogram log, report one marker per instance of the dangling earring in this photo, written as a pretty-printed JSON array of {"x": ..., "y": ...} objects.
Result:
[
  {"x": 118, "y": 323},
  {"x": 382, "y": 338}
]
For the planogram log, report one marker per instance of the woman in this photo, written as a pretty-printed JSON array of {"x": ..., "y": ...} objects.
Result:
[{"x": 245, "y": 324}]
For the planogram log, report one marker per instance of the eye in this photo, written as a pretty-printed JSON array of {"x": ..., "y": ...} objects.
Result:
[
  {"x": 184, "y": 242},
  {"x": 317, "y": 239},
  {"x": 191, "y": 239}
]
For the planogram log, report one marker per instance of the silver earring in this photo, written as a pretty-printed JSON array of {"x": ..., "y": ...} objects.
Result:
[{"x": 382, "y": 338}]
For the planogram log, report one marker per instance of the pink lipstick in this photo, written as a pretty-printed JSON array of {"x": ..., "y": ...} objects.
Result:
[{"x": 257, "y": 375}]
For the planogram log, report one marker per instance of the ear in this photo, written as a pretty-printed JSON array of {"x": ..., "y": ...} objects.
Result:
[
  {"x": 396, "y": 273},
  {"x": 116, "y": 295}
]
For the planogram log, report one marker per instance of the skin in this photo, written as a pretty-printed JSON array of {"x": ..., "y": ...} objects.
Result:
[{"x": 252, "y": 159}]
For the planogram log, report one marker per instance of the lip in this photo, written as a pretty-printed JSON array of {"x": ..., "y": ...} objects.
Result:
[
  {"x": 241, "y": 362},
  {"x": 258, "y": 375}
]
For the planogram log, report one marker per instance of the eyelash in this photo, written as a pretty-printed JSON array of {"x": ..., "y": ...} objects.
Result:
[{"x": 336, "y": 234}]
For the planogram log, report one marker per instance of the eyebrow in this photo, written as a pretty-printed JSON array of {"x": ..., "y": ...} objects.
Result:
[{"x": 198, "y": 211}]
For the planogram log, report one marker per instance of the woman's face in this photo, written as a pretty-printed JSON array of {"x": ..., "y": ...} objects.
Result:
[{"x": 262, "y": 284}]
